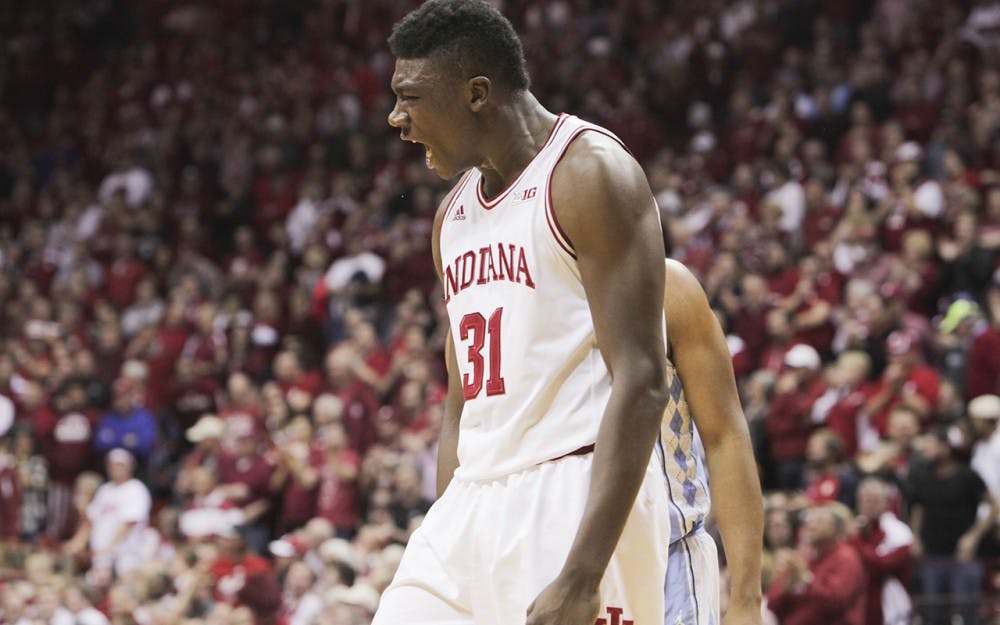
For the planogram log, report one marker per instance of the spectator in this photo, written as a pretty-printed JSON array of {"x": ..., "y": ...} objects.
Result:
[
  {"x": 884, "y": 544},
  {"x": 828, "y": 586},
  {"x": 243, "y": 578},
  {"x": 982, "y": 375},
  {"x": 116, "y": 519},
  {"x": 206, "y": 435},
  {"x": 945, "y": 498},
  {"x": 788, "y": 420},
  {"x": 10, "y": 490},
  {"x": 984, "y": 411},
  {"x": 127, "y": 425},
  {"x": 337, "y": 500},
  {"x": 827, "y": 479},
  {"x": 246, "y": 478},
  {"x": 907, "y": 381},
  {"x": 299, "y": 605}
]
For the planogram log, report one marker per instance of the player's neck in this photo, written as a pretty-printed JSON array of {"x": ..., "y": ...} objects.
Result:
[{"x": 521, "y": 129}]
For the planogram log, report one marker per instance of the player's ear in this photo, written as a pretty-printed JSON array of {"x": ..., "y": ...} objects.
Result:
[{"x": 479, "y": 90}]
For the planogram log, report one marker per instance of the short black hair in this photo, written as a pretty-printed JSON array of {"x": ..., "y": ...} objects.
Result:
[{"x": 471, "y": 34}]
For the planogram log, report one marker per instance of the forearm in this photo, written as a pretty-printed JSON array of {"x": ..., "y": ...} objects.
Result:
[
  {"x": 737, "y": 503},
  {"x": 622, "y": 452}
]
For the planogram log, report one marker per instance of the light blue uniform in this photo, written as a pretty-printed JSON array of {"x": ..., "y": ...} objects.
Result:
[{"x": 691, "y": 587}]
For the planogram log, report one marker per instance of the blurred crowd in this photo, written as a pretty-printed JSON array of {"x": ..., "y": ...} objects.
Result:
[{"x": 221, "y": 335}]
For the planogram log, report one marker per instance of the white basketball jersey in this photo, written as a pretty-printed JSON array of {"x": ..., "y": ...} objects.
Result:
[{"x": 534, "y": 380}]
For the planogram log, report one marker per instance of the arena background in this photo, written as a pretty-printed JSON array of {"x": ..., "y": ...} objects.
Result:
[{"x": 214, "y": 252}]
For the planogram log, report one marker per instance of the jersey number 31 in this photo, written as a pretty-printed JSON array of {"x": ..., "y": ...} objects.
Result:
[{"x": 476, "y": 326}]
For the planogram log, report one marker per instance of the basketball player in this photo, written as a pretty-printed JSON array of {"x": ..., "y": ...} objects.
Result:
[
  {"x": 554, "y": 507},
  {"x": 697, "y": 351}
]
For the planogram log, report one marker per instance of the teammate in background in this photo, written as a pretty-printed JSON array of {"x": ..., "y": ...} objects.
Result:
[
  {"x": 554, "y": 507},
  {"x": 697, "y": 352}
]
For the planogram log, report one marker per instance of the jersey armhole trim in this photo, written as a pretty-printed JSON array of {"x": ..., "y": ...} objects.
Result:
[
  {"x": 550, "y": 212},
  {"x": 454, "y": 198}
]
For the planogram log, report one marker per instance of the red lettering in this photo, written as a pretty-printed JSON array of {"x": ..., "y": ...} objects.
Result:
[
  {"x": 522, "y": 268},
  {"x": 506, "y": 263},
  {"x": 468, "y": 270},
  {"x": 492, "y": 266},
  {"x": 484, "y": 253},
  {"x": 616, "y": 615},
  {"x": 450, "y": 281}
]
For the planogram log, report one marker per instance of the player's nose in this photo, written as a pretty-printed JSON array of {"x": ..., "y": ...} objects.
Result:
[{"x": 397, "y": 118}]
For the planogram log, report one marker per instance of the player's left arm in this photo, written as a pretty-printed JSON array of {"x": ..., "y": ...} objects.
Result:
[
  {"x": 604, "y": 204},
  {"x": 699, "y": 351}
]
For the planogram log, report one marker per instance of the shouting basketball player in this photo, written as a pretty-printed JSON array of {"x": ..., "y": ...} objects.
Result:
[{"x": 555, "y": 510}]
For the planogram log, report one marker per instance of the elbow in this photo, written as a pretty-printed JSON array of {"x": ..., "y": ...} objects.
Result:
[{"x": 648, "y": 385}]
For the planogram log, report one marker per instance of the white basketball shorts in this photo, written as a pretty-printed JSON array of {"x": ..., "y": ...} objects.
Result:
[
  {"x": 691, "y": 588},
  {"x": 487, "y": 548}
]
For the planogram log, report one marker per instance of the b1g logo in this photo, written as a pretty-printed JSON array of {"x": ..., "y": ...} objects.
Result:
[
  {"x": 525, "y": 195},
  {"x": 614, "y": 618}
]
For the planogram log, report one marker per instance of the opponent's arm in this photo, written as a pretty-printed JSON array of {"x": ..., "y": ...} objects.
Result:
[
  {"x": 454, "y": 399},
  {"x": 604, "y": 204},
  {"x": 699, "y": 352}
]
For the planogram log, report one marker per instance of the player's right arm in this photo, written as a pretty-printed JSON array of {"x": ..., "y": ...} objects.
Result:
[
  {"x": 702, "y": 358},
  {"x": 454, "y": 399}
]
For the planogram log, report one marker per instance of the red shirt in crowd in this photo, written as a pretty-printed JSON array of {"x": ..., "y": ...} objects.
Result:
[
  {"x": 982, "y": 370},
  {"x": 337, "y": 500},
  {"x": 360, "y": 405},
  {"x": 884, "y": 547},
  {"x": 789, "y": 421},
  {"x": 254, "y": 472},
  {"x": 836, "y": 595},
  {"x": 247, "y": 580},
  {"x": 923, "y": 380},
  {"x": 10, "y": 500},
  {"x": 298, "y": 503},
  {"x": 65, "y": 442},
  {"x": 189, "y": 400}
]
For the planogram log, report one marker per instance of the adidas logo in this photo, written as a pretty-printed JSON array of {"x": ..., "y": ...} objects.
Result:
[{"x": 459, "y": 214}]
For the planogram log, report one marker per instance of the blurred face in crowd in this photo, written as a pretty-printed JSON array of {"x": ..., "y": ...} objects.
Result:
[
  {"x": 286, "y": 367},
  {"x": 327, "y": 409},
  {"x": 778, "y": 327},
  {"x": 820, "y": 527},
  {"x": 239, "y": 388},
  {"x": 119, "y": 471},
  {"x": 852, "y": 368},
  {"x": 203, "y": 481},
  {"x": 820, "y": 449},
  {"x": 873, "y": 499},
  {"x": 778, "y": 529},
  {"x": 299, "y": 579},
  {"x": 903, "y": 426},
  {"x": 245, "y": 446}
]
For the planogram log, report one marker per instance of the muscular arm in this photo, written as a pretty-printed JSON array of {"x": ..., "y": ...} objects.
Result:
[
  {"x": 699, "y": 352},
  {"x": 603, "y": 202},
  {"x": 455, "y": 399}
]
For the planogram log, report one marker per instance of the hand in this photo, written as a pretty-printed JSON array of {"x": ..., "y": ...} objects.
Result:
[
  {"x": 966, "y": 548},
  {"x": 917, "y": 550},
  {"x": 743, "y": 614},
  {"x": 565, "y": 603}
]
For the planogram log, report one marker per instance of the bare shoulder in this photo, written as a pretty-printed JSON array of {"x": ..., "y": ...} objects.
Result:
[
  {"x": 684, "y": 300},
  {"x": 681, "y": 284},
  {"x": 598, "y": 184}
]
